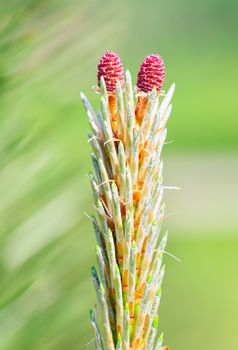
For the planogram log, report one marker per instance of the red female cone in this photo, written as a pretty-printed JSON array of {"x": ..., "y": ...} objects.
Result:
[
  {"x": 151, "y": 74},
  {"x": 111, "y": 69}
]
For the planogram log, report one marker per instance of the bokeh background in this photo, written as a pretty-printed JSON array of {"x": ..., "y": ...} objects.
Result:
[{"x": 49, "y": 52}]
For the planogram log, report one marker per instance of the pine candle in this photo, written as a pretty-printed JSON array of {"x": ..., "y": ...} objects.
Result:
[{"x": 127, "y": 141}]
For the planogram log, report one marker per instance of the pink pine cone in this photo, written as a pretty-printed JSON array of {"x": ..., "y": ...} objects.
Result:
[
  {"x": 110, "y": 67},
  {"x": 151, "y": 73}
]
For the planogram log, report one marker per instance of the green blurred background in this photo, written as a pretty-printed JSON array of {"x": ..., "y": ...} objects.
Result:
[{"x": 48, "y": 53}]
